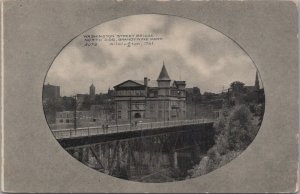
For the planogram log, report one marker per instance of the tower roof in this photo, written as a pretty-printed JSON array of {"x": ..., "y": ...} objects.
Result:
[{"x": 163, "y": 76}]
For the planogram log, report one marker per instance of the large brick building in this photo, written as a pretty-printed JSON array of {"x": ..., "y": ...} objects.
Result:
[
  {"x": 150, "y": 100},
  {"x": 51, "y": 92}
]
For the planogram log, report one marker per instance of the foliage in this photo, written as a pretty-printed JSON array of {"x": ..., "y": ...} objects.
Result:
[
  {"x": 208, "y": 96},
  {"x": 234, "y": 132},
  {"x": 237, "y": 85},
  {"x": 240, "y": 129}
]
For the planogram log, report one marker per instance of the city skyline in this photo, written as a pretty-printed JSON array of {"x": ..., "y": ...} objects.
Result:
[{"x": 104, "y": 91}]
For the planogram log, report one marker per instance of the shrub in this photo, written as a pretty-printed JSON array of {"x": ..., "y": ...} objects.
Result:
[
  {"x": 240, "y": 129},
  {"x": 233, "y": 135}
]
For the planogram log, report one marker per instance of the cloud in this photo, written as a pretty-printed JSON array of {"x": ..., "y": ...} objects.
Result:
[
  {"x": 212, "y": 49},
  {"x": 191, "y": 51},
  {"x": 164, "y": 26}
]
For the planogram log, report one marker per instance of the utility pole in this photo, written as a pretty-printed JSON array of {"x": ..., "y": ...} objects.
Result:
[
  {"x": 75, "y": 112},
  {"x": 195, "y": 105},
  {"x": 106, "y": 111},
  {"x": 116, "y": 115},
  {"x": 130, "y": 111}
]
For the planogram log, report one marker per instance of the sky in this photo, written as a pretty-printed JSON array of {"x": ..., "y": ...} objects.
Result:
[{"x": 193, "y": 52}]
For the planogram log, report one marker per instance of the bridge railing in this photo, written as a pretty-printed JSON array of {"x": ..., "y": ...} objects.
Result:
[{"x": 90, "y": 131}]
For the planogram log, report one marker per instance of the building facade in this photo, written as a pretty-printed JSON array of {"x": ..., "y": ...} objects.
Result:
[
  {"x": 51, "y": 92},
  {"x": 64, "y": 117},
  {"x": 150, "y": 100}
]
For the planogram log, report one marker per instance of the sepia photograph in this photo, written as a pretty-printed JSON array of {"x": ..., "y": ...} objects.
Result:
[
  {"x": 153, "y": 98},
  {"x": 149, "y": 96}
]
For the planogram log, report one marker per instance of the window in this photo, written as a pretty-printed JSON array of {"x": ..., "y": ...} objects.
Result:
[
  {"x": 137, "y": 115},
  {"x": 160, "y": 114},
  {"x": 137, "y": 106},
  {"x": 151, "y": 105},
  {"x": 67, "y": 121},
  {"x": 166, "y": 104},
  {"x": 61, "y": 121},
  {"x": 160, "y": 105},
  {"x": 119, "y": 106},
  {"x": 119, "y": 115}
]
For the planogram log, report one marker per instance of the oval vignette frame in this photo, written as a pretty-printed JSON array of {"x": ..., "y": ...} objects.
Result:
[{"x": 104, "y": 128}]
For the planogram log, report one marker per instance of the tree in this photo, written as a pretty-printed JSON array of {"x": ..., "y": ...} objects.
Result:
[
  {"x": 240, "y": 129},
  {"x": 233, "y": 135},
  {"x": 237, "y": 86},
  {"x": 208, "y": 95}
]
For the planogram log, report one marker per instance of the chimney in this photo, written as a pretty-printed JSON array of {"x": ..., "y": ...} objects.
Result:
[{"x": 146, "y": 81}]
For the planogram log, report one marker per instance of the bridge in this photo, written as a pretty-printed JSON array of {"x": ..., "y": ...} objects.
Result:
[
  {"x": 138, "y": 152},
  {"x": 89, "y": 135}
]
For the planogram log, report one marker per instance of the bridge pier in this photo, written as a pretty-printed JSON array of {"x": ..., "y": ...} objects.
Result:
[
  {"x": 76, "y": 153},
  {"x": 85, "y": 154}
]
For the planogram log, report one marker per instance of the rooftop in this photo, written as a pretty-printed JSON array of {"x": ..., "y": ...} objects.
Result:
[{"x": 163, "y": 76}]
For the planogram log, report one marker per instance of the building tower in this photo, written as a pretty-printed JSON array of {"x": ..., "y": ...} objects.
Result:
[
  {"x": 51, "y": 91},
  {"x": 256, "y": 81},
  {"x": 92, "y": 92},
  {"x": 163, "y": 82}
]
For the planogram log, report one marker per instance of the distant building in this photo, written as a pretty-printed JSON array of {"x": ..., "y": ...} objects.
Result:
[
  {"x": 161, "y": 99},
  {"x": 67, "y": 117},
  {"x": 193, "y": 95},
  {"x": 92, "y": 92},
  {"x": 82, "y": 97},
  {"x": 51, "y": 92},
  {"x": 103, "y": 113}
]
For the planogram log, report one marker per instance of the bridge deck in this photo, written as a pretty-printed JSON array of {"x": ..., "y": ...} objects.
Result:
[{"x": 112, "y": 129}]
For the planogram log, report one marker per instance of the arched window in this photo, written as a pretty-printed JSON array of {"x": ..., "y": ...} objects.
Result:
[{"x": 137, "y": 115}]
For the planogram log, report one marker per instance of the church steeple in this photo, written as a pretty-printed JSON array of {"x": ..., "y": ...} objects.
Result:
[
  {"x": 256, "y": 81},
  {"x": 163, "y": 76}
]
